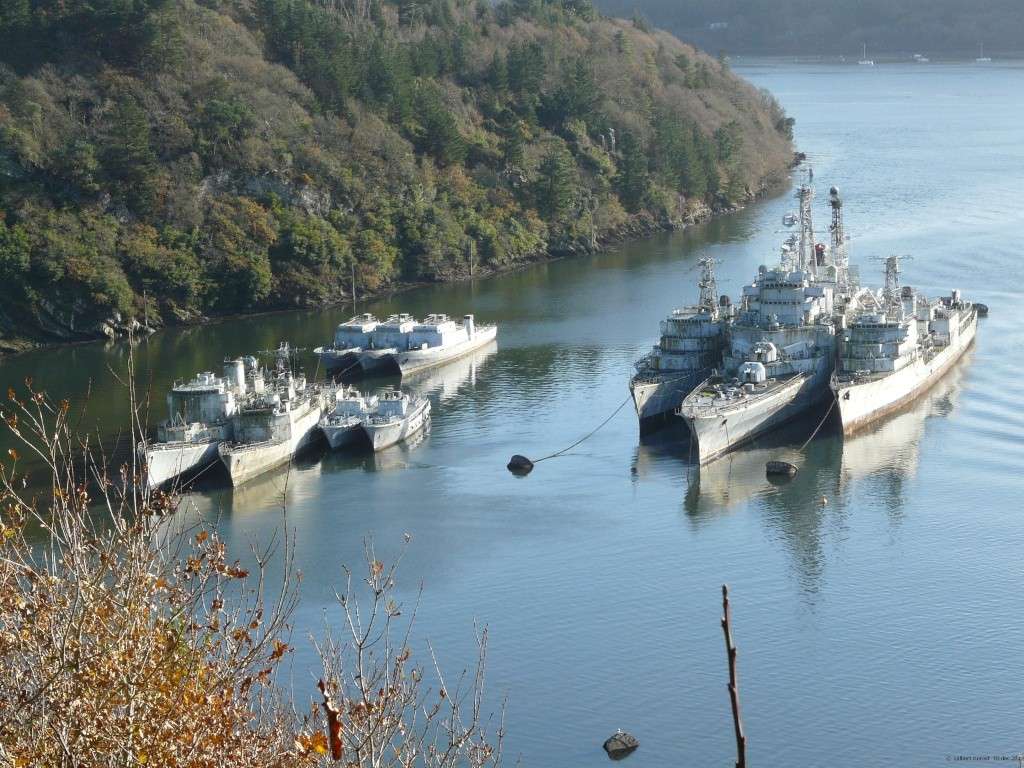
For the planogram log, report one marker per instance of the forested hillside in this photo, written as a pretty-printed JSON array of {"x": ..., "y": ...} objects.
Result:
[
  {"x": 837, "y": 27},
  {"x": 172, "y": 159}
]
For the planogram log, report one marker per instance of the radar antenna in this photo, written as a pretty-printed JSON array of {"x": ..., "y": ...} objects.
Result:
[{"x": 891, "y": 293}]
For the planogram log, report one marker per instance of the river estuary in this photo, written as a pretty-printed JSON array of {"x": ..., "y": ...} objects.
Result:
[{"x": 882, "y": 628}]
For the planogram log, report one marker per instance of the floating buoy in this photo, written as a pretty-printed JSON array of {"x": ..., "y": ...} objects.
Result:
[
  {"x": 824, "y": 501},
  {"x": 620, "y": 744},
  {"x": 520, "y": 465},
  {"x": 780, "y": 468}
]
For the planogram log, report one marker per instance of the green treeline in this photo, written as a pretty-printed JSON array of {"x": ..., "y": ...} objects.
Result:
[
  {"x": 837, "y": 27},
  {"x": 176, "y": 158}
]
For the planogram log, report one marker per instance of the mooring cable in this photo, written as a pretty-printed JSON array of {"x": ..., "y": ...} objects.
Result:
[
  {"x": 820, "y": 425},
  {"x": 521, "y": 465}
]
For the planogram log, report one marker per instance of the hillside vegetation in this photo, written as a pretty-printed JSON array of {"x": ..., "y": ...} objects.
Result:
[
  {"x": 172, "y": 159},
  {"x": 837, "y": 27}
]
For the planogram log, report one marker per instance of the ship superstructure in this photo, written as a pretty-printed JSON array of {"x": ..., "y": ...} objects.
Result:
[
  {"x": 780, "y": 349},
  {"x": 897, "y": 348},
  {"x": 344, "y": 424},
  {"x": 776, "y": 364},
  {"x": 200, "y": 413},
  {"x": 689, "y": 348},
  {"x": 405, "y": 346},
  {"x": 350, "y": 338},
  {"x": 273, "y": 426},
  {"x": 398, "y": 417}
]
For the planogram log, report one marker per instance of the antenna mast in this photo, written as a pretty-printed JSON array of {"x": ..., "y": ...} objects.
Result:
[
  {"x": 708, "y": 285},
  {"x": 840, "y": 257},
  {"x": 805, "y": 194},
  {"x": 891, "y": 293}
]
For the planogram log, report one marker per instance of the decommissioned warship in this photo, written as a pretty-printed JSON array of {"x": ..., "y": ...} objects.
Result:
[
  {"x": 200, "y": 413},
  {"x": 780, "y": 347},
  {"x": 896, "y": 350},
  {"x": 806, "y": 333},
  {"x": 689, "y": 348},
  {"x": 270, "y": 428},
  {"x": 398, "y": 417},
  {"x": 344, "y": 424},
  {"x": 350, "y": 339},
  {"x": 401, "y": 344}
]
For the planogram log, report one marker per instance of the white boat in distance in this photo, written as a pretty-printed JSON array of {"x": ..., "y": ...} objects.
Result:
[
  {"x": 344, "y": 425},
  {"x": 982, "y": 58},
  {"x": 404, "y": 346},
  {"x": 398, "y": 417},
  {"x": 864, "y": 60},
  {"x": 350, "y": 338}
]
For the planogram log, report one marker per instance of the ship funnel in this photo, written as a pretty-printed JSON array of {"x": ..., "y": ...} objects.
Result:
[
  {"x": 234, "y": 372},
  {"x": 469, "y": 325}
]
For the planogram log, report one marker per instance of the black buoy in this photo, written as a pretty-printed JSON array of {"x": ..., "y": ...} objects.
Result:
[
  {"x": 520, "y": 465},
  {"x": 620, "y": 744}
]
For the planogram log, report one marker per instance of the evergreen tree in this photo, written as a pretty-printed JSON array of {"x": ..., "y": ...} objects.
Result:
[
  {"x": 437, "y": 133},
  {"x": 555, "y": 186},
  {"x": 130, "y": 160},
  {"x": 497, "y": 73},
  {"x": 633, "y": 179}
]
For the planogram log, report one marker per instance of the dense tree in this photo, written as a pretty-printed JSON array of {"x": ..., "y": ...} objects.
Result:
[
  {"x": 182, "y": 158},
  {"x": 129, "y": 159},
  {"x": 556, "y": 184},
  {"x": 633, "y": 178}
]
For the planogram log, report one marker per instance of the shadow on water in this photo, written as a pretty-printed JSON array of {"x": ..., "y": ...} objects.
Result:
[{"x": 834, "y": 473}]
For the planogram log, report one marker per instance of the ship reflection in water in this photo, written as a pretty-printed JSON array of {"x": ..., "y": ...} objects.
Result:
[
  {"x": 834, "y": 473},
  {"x": 309, "y": 473},
  {"x": 829, "y": 466}
]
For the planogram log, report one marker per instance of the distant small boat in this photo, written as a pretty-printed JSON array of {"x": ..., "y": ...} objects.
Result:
[
  {"x": 789, "y": 219},
  {"x": 864, "y": 60},
  {"x": 982, "y": 58},
  {"x": 921, "y": 59}
]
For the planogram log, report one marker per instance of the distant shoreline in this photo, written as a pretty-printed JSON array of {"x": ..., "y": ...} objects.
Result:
[{"x": 878, "y": 58}]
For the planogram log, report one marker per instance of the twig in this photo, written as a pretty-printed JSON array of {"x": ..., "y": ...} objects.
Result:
[{"x": 734, "y": 694}]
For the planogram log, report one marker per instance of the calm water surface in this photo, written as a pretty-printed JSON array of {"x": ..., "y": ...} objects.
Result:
[{"x": 883, "y": 628}]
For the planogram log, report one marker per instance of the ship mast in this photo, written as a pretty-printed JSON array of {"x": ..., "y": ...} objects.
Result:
[
  {"x": 891, "y": 294},
  {"x": 708, "y": 285},
  {"x": 840, "y": 257},
  {"x": 805, "y": 194}
]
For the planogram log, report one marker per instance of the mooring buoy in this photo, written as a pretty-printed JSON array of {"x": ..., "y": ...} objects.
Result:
[{"x": 520, "y": 465}]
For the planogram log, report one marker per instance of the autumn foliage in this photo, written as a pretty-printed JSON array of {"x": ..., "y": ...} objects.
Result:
[{"x": 130, "y": 638}]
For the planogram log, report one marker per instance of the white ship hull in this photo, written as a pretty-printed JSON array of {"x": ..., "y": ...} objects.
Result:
[
  {"x": 385, "y": 435},
  {"x": 657, "y": 399},
  {"x": 719, "y": 430},
  {"x": 416, "y": 360},
  {"x": 860, "y": 404},
  {"x": 167, "y": 461},
  {"x": 249, "y": 460}
]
